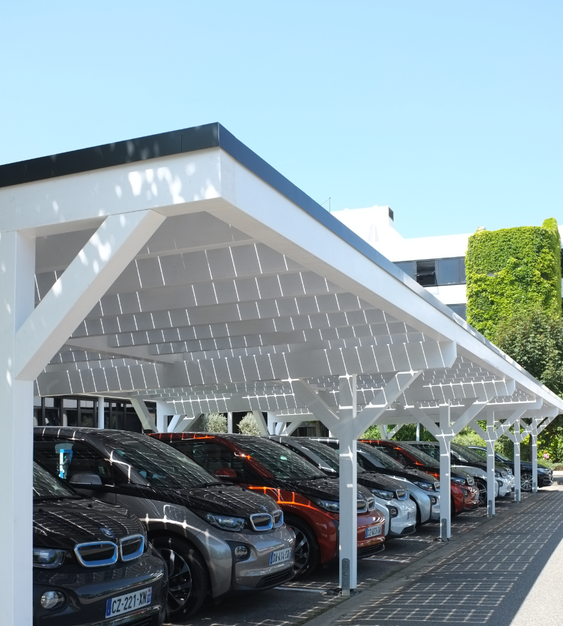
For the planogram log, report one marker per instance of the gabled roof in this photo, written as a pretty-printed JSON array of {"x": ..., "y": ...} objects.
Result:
[{"x": 241, "y": 284}]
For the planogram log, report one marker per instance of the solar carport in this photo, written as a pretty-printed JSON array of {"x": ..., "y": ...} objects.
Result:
[{"x": 183, "y": 269}]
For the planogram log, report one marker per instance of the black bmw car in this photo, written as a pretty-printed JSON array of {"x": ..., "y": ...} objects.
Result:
[
  {"x": 92, "y": 563},
  {"x": 545, "y": 473}
]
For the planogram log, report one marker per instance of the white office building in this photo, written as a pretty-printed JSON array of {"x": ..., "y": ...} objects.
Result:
[{"x": 436, "y": 263}]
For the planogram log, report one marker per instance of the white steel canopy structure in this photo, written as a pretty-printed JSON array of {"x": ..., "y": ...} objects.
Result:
[{"x": 183, "y": 269}]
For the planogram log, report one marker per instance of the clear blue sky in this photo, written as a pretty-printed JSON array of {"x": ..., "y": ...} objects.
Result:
[{"x": 450, "y": 112}]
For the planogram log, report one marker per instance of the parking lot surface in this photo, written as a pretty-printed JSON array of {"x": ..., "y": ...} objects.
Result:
[{"x": 496, "y": 571}]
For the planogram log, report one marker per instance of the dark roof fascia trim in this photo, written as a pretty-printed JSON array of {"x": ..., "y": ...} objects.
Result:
[
  {"x": 111, "y": 154},
  {"x": 203, "y": 137}
]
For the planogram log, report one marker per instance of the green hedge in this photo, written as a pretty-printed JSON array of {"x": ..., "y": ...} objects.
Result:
[{"x": 511, "y": 271}]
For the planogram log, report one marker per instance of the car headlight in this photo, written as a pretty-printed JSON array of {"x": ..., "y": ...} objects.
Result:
[
  {"x": 48, "y": 558},
  {"x": 461, "y": 481},
  {"x": 225, "y": 522},
  {"x": 424, "y": 485},
  {"x": 382, "y": 493},
  {"x": 329, "y": 505}
]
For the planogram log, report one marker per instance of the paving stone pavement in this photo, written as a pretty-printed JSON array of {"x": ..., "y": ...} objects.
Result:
[{"x": 507, "y": 571}]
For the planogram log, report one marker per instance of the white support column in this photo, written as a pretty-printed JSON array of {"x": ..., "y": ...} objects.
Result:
[
  {"x": 17, "y": 269},
  {"x": 517, "y": 469},
  {"x": 444, "y": 439},
  {"x": 490, "y": 442},
  {"x": 101, "y": 412},
  {"x": 534, "y": 452},
  {"x": 163, "y": 410},
  {"x": 146, "y": 419},
  {"x": 348, "y": 484},
  {"x": 230, "y": 422}
]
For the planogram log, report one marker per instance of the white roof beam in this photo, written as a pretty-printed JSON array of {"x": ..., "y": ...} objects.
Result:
[{"x": 393, "y": 389}]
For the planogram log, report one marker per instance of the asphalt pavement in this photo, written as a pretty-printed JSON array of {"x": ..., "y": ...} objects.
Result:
[{"x": 501, "y": 571}]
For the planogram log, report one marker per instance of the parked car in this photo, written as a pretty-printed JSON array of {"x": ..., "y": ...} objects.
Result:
[
  {"x": 545, "y": 473},
  {"x": 471, "y": 462},
  {"x": 92, "y": 563},
  {"x": 308, "y": 498},
  {"x": 464, "y": 493},
  {"x": 214, "y": 537},
  {"x": 423, "y": 488},
  {"x": 387, "y": 491}
]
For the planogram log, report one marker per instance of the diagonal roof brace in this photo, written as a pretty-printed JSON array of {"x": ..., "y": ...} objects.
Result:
[{"x": 110, "y": 249}]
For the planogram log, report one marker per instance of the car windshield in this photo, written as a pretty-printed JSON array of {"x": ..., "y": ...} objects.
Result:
[
  {"x": 424, "y": 458},
  {"x": 49, "y": 487},
  {"x": 150, "y": 461},
  {"x": 280, "y": 461},
  {"x": 380, "y": 459},
  {"x": 328, "y": 455},
  {"x": 468, "y": 455}
]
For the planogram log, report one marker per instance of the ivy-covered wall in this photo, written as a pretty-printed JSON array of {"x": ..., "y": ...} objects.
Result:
[{"x": 511, "y": 271}]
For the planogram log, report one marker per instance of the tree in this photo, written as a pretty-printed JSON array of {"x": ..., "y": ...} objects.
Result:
[
  {"x": 534, "y": 339},
  {"x": 514, "y": 299}
]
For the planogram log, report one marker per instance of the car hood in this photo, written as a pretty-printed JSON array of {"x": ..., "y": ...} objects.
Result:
[
  {"x": 373, "y": 480},
  {"x": 223, "y": 500},
  {"x": 325, "y": 488},
  {"x": 64, "y": 523}
]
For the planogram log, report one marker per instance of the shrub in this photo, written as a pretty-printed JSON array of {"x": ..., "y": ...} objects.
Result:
[
  {"x": 248, "y": 425},
  {"x": 215, "y": 423}
]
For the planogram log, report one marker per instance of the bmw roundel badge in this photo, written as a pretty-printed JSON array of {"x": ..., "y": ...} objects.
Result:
[{"x": 107, "y": 532}]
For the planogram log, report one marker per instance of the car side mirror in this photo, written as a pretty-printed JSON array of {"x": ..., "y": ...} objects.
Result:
[
  {"x": 85, "y": 478},
  {"x": 225, "y": 472}
]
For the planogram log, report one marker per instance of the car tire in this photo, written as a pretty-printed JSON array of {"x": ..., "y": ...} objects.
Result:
[
  {"x": 526, "y": 482},
  {"x": 482, "y": 486},
  {"x": 306, "y": 553},
  {"x": 188, "y": 580}
]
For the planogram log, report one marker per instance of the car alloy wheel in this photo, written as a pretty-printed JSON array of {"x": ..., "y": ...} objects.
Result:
[
  {"x": 526, "y": 482},
  {"x": 482, "y": 492},
  {"x": 306, "y": 554},
  {"x": 187, "y": 577}
]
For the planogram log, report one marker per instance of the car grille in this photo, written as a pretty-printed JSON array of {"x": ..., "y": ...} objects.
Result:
[
  {"x": 96, "y": 554},
  {"x": 131, "y": 547},
  {"x": 275, "y": 579},
  {"x": 262, "y": 522},
  {"x": 102, "y": 553},
  {"x": 370, "y": 550}
]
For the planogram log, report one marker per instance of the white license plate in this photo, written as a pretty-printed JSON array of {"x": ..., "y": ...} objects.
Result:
[
  {"x": 128, "y": 602},
  {"x": 372, "y": 531},
  {"x": 279, "y": 556}
]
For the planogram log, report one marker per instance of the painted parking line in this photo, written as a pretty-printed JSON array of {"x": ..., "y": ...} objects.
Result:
[
  {"x": 389, "y": 560},
  {"x": 301, "y": 589}
]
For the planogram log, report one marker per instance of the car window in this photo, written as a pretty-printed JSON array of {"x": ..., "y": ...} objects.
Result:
[
  {"x": 377, "y": 458},
  {"x": 213, "y": 455},
  {"x": 434, "y": 452},
  {"x": 158, "y": 464},
  {"x": 280, "y": 461},
  {"x": 67, "y": 459},
  {"x": 46, "y": 486}
]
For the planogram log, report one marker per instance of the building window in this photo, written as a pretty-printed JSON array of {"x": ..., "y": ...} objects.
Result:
[
  {"x": 426, "y": 273},
  {"x": 450, "y": 271},
  {"x": 433, "y": 272},
  {"x": 460, "y": 309}
]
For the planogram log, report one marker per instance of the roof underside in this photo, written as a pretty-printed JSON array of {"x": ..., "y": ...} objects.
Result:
[{"x": 245, "y": 286}]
